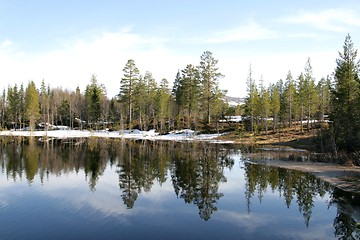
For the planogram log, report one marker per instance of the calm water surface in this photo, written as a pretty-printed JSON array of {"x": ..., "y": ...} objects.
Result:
[{"x": 105, "y": 189}]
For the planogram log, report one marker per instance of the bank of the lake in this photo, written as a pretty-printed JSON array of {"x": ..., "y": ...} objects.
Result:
[{"x": 346, "y": 177}]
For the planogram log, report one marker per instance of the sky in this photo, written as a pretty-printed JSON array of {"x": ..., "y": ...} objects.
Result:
[{"x": 65, "y": 42}]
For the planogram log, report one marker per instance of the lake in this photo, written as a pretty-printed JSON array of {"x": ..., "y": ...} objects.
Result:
[{"x": 115, "y": 189}]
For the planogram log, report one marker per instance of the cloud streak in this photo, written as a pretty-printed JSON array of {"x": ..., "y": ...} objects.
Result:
[
  {"x": 333, "y": 20},
  {"x": 250, "y": 31}
]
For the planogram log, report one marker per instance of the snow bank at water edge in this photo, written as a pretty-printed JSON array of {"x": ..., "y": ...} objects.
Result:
[{"x": 179, "y": 135}]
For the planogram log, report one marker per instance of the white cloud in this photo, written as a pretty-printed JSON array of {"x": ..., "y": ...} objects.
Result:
[
  {"x": 4, "y": 45},
  {"x": 334, "y": 20},
  {"x": 251, "y": 31},
  {"x": 105, "y": 55}
]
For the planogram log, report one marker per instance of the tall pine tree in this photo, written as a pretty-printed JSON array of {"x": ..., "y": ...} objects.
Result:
[
  {"x": 209, "y": 79},
  {"x": 127, "y": 87}
]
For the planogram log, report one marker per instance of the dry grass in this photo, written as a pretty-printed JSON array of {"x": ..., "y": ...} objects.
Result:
[{"x": 291, "y": 137}]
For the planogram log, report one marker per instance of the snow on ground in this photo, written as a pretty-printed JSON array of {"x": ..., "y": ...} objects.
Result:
[{"x": 179, "y": 135}]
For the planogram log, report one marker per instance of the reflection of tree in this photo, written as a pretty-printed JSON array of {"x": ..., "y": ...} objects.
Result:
[
  {"x": 139, "y": 164},
  {"x": 14, "y": 164},
  {"x": 290, "y": 184},
  {"x": 31, "y": 159},
  {"x": 127, "y": 181},
  {"x": 345, "y": 226},
  {"x": 196, "y": 177},
  {"x": 209, "y": 176},
  {"x": 95, "y": 160}
]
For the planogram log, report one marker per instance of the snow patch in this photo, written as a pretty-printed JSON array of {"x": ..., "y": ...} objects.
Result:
[{"x": 178, "y": 135}]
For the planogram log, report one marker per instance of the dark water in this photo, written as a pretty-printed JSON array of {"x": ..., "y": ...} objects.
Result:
[{"x": 105, "y": 189}]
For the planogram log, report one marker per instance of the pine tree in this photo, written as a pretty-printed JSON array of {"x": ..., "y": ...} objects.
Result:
[
  {"x": 283, "y": 106},
  {"x": 251, "y": 99},
  {"x": 32, "y": 105},
  {"x": 290, "y": 91},
  {"x": 21, "y": 106},
  {"x": 301, "y": 98},
  {"x": 275, "y": 105},
  {"x": 140, "y": 102},
  {"x": 310, "y": 93},
  {"x": 44, "y": 104},
  {"x": 264, "y": 104},
  {"x": 345, "y": 99},
  {"x": 209, "y": 79},
  {"x": 79, "y": 107},
  {"x": 127, "y": 84},
  {"x": 163, "y": 100},
  {"x": 190, "y": 92},
  {"x": 323, "y": 89},
  {"x": 151, "y": 92}
]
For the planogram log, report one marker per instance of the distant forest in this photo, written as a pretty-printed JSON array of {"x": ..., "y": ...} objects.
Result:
[{"x": 331, "y": 104}]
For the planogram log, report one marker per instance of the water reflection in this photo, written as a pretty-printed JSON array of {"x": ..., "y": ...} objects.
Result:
[
  {"x": 195, "y": 170},
  {"x": 347, "y": 220},
  {"x": 196, "y": 176},
  {"x": 290, "y": 184}
]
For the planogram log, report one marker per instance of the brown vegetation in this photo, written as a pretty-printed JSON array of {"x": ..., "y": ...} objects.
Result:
[{"x": 287, "y": 137}]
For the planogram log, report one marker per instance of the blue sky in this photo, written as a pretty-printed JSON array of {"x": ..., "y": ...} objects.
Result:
[{"x": 64, "y": 42}]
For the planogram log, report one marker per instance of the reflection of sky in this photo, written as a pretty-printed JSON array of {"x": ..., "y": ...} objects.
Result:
[{"x": 65, "y": 206}]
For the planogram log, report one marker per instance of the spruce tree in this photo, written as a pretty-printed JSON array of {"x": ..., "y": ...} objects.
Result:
[
  {"x": 345, "y": 99},
  {"x": 177, "y": 96},
  {"x": 93, "y": 94},
  {"x": 13, "y": 105}
]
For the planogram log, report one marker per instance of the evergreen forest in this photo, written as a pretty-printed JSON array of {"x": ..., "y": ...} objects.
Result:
[{"x": 194, "y": 100}]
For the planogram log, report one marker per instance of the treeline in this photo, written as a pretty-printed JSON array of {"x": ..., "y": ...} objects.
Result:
[
  {"x": 194, "y": 101},
  {"x": 293, "y": 102},
  {"x": 331, "y": 104}
]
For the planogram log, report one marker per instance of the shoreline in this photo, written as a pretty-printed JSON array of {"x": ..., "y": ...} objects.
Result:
[{"x": 345, "y": 177}]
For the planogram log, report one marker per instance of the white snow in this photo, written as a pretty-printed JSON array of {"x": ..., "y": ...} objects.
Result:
[{"x": 179, "y": 135}]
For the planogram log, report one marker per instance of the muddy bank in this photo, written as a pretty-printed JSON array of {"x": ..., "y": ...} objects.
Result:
[{"x": 346, "y": 178}]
